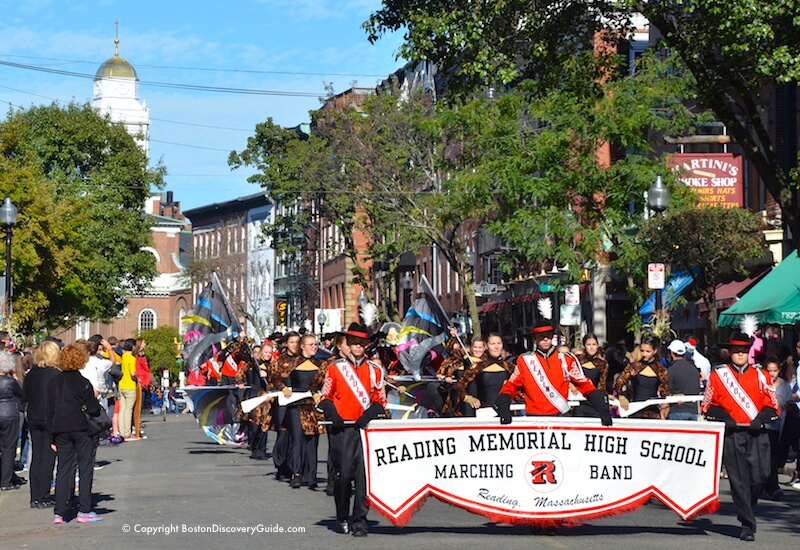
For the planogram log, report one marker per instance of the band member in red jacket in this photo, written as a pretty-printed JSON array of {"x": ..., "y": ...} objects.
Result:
[
  {"x": 742, "y": 396},
  {"x": 353, "y": 392},
  {"x": 544, "y": 375}
]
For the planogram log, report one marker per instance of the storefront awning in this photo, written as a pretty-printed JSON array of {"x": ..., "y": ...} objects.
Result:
[
  {"x": 728, "y": 293},
  {"x": 491, "y": 306},
  {"x": 679, "y": 282},
  {"x": 774, "y": 299}
]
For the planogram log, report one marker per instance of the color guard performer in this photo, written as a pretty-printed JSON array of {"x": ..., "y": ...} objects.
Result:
[
  {"x": 285, "y": 362},
  {"x": 353, "y": 392},
  {"x": 302, "y": 418},
  {"x": 743, "y": 397},
  {"x": 479, "y": 385},
  {"x": 544, "y": 376}
]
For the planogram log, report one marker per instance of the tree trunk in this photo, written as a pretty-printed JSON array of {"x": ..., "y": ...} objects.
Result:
[{"x": 710, "y": 299}]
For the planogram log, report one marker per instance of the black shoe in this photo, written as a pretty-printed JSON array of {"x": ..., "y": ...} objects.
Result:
[
  {"x": 312, "y": 486},
  {"x": 362, "y": 532},
  {"x": 747, "y": 534},
  {"x": 295, "y": 483},
  {"x": 329, "y": 489},
  {"x": 344, "y": 527},
  {"x": 795, "y": 479},
  {"x": 9, "y": 488},
  {"x": 42, "y": 504},
  {"x": 16, "y": 480}
]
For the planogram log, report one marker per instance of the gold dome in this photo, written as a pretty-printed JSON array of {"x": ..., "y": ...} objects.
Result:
[{"x": 116, "y": 67}]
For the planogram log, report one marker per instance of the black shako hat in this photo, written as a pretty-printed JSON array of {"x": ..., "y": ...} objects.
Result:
[
  {"x": 543, "y": 325},
  {"x": 357, "y": 333},
  {"x": 739, "y": 340}
]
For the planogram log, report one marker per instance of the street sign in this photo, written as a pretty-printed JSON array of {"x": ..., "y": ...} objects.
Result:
[
  {"x": 484, "y": 288},
  {"x": 655, "y": 276},
  {"x": 572, "y": 295},
  {"x": 570, "y": 315}
]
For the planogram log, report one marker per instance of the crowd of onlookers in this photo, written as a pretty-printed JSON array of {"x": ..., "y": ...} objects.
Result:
[{"x": 53, "y": 402}]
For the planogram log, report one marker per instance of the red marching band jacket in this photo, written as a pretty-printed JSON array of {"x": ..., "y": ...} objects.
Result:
[
  {"x": 545, "y": 382},
  {"x": 347, "y": 394},
  {"x": 743, "y": 395}
]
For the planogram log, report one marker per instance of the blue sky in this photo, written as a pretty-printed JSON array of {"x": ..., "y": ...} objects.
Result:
[{"x": 295, "y": 46}]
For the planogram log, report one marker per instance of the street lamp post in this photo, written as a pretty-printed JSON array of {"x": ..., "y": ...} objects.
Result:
[
  {"x": 407, "y": 282},
  {"x": 8, "y": 217},
  {"x": 658, "y": 200},
  {"x": 321, "y": 318}
]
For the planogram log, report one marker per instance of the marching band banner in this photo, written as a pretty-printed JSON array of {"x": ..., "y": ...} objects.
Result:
[{"x": 544, "y": 470}]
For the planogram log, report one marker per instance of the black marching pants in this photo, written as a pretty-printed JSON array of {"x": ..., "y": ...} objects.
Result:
[
  {"x": 747, "y": 460},
  {"x": 280, "y": 450},
  {"x": 348, "y": 464},
  {"x": 302, "y": 448}
]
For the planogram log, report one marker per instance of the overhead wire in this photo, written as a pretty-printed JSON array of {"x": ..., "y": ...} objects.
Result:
[
  {"x": 205, "y": 69},
  {"x": 174, "y": 85}
]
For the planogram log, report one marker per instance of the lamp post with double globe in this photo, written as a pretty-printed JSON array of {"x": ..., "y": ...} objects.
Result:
[
  {"x": 658, "y": 200},
  {"x": 8, "y": 217}
]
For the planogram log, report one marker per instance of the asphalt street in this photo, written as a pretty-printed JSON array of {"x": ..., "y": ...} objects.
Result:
[{"x": 178, "y": 489}]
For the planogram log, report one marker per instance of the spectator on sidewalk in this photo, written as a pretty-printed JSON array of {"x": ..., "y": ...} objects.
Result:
[
  {"x": 43, "y": 458},
  {"x": 127, "y": 389},
  {"x": 683, "y": 379},
  {"x": 68, "y": 395},
  {"x": 11, "y": 400}
]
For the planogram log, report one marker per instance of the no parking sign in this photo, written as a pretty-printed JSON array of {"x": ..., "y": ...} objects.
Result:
[{"x": 655, "y": 276}]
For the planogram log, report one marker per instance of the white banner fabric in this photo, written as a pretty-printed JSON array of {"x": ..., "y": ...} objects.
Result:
[{"x": 542, "y": 470}]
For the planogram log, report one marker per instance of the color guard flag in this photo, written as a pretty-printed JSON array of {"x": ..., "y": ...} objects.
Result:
[
  {"x": 424, "y": 327},
  {"x": 211, "y": 321}
]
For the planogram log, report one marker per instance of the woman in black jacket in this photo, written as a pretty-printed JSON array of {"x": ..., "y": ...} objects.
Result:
[
  {"x": 43, "y": 458},
  {"x": 11, "y": 397},
  {"x": 68, "y": 395}
]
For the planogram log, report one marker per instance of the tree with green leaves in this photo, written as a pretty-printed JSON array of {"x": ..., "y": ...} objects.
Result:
[
  {"x": 163, "y": 351},
  {"x": 80, "y": 183},
  {"x": 734, "y": 52},
  {"x": 712, "y": 242},
  {"x": 536, "y": 165},
  {"x": 381, "y": 170}
]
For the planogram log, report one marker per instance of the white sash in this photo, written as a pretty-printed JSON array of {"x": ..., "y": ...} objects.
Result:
[
  {"x": 736, "y": 391},
  {"x": 545, "y": 386},
  {"x": 354, "y": 383}
]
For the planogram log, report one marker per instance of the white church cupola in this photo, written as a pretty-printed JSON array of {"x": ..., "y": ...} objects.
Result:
[{"x": 116, "y": 93}]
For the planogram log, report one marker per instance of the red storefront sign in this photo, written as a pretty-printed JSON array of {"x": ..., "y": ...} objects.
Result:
[{"x": 716, "y": 178}]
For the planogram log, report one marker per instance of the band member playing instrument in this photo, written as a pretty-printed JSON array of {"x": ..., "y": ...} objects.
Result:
[
  {"x": 742, "y": 396},
  {"x": 353, "y": 392}
]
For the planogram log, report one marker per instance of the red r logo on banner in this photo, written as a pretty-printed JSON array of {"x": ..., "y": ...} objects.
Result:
[{"x": 543, "y": 472}]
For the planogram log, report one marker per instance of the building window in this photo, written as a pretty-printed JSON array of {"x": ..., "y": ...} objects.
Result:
[
  {"x": 181, "y": 324},
  {"x": 147, "y": 319}
]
